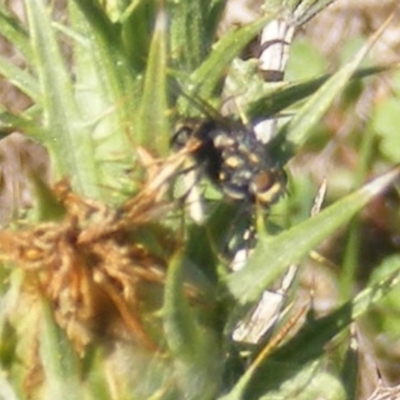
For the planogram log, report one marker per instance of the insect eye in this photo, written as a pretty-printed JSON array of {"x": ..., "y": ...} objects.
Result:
[
  {"x": 262, "y": 182},
  {"x": 268, "y": 186}
]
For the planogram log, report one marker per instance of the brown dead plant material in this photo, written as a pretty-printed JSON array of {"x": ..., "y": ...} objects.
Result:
[{"x": 92, "y": 265}]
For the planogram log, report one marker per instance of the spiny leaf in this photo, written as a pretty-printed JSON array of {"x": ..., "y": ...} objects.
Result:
[
  {"x": 289, "y": 93},
  {"x": 20, "y": 78},
  {"x": 308, "y": 344},
  {"x": 10, "y": 122},
  {"x": 66, "y": 136},
  {"x": 102, "y": 106},
  {"x": 15, "y": 33},
  {"x": 180, "y": 325},
  {"x": 300, "y": 126},
  {"x": 116, "y": 72},
  {"x": 48, "y": 207},
  {"x": 152, "y": 122},
  {"x": 194, "y": 347},
  {"x": 59, "y": 360},
  {"x": 272, "y": 255},
  {"x": 192, "y": 31},
  {"x": 204, "y": 80}
]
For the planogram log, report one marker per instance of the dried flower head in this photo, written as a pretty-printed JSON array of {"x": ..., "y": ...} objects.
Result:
[{"x": 94, "y": 266}]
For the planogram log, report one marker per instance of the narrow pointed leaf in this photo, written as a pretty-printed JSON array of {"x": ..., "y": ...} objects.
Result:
[
  {"x": 12, "y": 122},
  {"x": 101, "y": 103},
  {"x": 291, "y": 92},
  {"x": 300, "y": 127},
  {"x": 12, "y": 30},
  {"x": 48, "y": 207},
  {"x": 118, "y": 79},
  {"x": 20, "y": 78},
  {"x": 188, "y": 44},
  {"x": 272, "y": 255},
  {"x": 152, "y": 125},
  {"x": 308, "y": 344},
  {"x": 213, "y": 19},
  {"x": 66, "y": 137},
  {"x": 309, "y": 383},
  {"x": 205, "y": 79},
  {"x": 59, "y": 360},
  {"x": 193, "y": 346},
  {"x": 192, "y": 30},
  {"x": 351, "y": 370},
  {"x": 180, "y": 325}
]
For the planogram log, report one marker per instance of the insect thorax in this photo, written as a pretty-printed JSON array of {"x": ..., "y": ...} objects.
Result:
[{"x": 236, "y": 161}]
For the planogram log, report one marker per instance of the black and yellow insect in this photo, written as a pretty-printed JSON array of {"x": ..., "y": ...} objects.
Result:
[{"x": 239, "y": 164}]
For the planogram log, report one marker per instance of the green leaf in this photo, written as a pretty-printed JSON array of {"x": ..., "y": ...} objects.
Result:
[
  {"x": 101, "y": 103},
  {"x": 273, "y": 255},
  {"x": 48, "y": 207},
  {"x": 60, "y": 362},
  {"x": 137, "y": 24},
  {"x": 10, "y": 121},
  {"x": 97, "y": 376},
  {"x": 19, "y": 78},
  {"x": 193, "y": 346},
  {"x": 384, "y": 122},
  {"x": 215, "y": 12},
  {"x": 116, "y": 73},
  {"x": 192, "y": 30},
  {"x": 287, "y": 94},
  {"x": 205, "y": 79},
  {"x": 66, "y": 136},
  {"x": 309, "y": 383},
  {"x": 153, "y": 127},
  {"x": 351, "y": 370},
  {"x": 297, "y": 131},
  {"x": 307, "y": 345},
  {"x": 311, "y": 339},
  {"x": 15, "y": 33},
  {"x": 180, "y": 324}
]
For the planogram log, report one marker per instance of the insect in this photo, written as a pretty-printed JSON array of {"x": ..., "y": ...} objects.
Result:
[{"x": 235, "y": 160}]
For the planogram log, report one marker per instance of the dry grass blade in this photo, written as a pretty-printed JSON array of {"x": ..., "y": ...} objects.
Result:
[{"x": 386, "y": 393}]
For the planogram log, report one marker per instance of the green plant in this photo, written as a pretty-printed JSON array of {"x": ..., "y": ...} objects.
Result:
[{"x": 126, "y": 305}]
